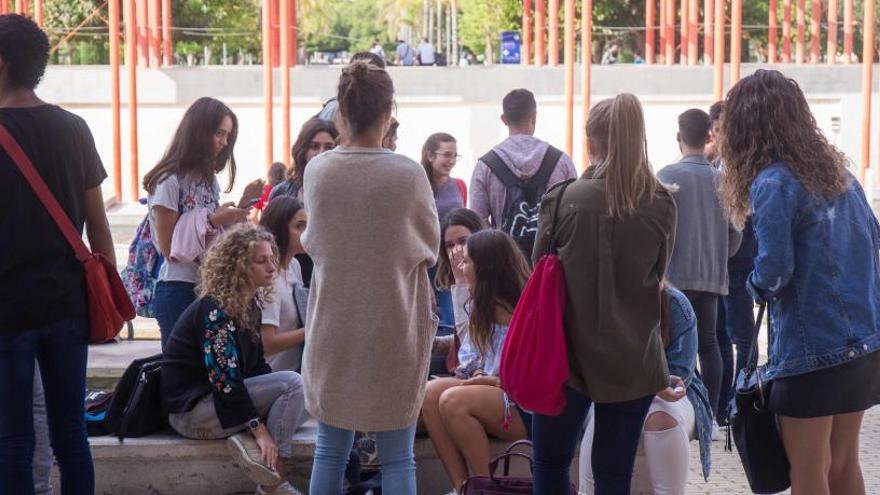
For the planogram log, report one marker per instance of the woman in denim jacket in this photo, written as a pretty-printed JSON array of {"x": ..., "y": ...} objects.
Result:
[
  {"x": 662, "y": 464},
  {"x": 817, "y": 267}
]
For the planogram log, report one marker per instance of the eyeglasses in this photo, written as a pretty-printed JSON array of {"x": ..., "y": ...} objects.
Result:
[
  {"x": 316, "y": 146},
  {"x": 449, "y": 156}
]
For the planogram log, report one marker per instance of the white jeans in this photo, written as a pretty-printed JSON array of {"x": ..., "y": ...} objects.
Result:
[{"x": 661, "y": 466}]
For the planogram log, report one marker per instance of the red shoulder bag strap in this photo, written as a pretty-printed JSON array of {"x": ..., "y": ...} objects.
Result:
[{"x": 8, "y": 143}]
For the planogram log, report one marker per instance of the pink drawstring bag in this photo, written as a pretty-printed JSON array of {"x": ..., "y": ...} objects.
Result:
[{"x": 534, "y": 360}]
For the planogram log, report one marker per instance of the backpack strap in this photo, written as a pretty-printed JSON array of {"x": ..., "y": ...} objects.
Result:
[
  {"x": 548, "y": 164},
  {"x": 500, "y": 169}
]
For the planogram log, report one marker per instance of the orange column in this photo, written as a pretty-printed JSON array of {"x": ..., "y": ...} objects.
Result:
[
  {"x": 719, "y": 50},
  {"x": 831, "y": 49},
  {"x": 708, "y": 31},
  {"x": 649, "y": 30},
  {"x": 273, "y": 18},
  {"x": 267, "y": 82},
  {"x": 801, "y": 31},
  {"x": 540, "y": 19},
  {"x": 294, "y": 46},
  {"x": 815, "y": 26},
  {"x": 131, "y": 54},
  {"x": 786, "y": 31},
  {"x": 569, "y": 76},
  {"x": 526, "y": 50},
  {"x": 142, "y": 32},
  {"x": 285, "y": 79},
  {"x": 154, "y": 14},
  {"x": 670, "y": 32},
  {"x": 38, "y": 12},
  {"x": 736, "y": 13},
  {"x": 848, "y": 30},
  {"x": 684, "y": 29},
  {"x": 693, "y": 32},
  {"x": 167, "y": 59},
  {"x": 867, "y": 88},
  {"x": 662, "y": 29},
  {"x": 113, "y": 14},
  {"x": 586, "y": 76},
  {"x": 553, "y": 33},
  {"x": 772, "y": 32},
  {"x": 21, "y": 7}
]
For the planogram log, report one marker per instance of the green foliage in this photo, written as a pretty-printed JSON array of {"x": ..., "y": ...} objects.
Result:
[
  {"x": 215, "y": 22},
  {"x": 350, "y": 25},
  {"x": 481, "y": 22}
]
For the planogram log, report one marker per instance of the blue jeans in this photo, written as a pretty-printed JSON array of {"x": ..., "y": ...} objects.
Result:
[
  {"x": 61, "y": 349},
  {"x": 444, "y": 301},
  {"x": 42, "y": 450},
  {"x": 740, "y": 308},
  {"x": 725, "y": 395},
  {"x": 172, "y": 299},
  {"x": 616, "y": 439},
  {"x": 395, "y": 453}
]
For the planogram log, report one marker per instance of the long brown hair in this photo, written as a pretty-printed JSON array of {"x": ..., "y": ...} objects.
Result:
[
  {"x": 191, "y": 151},
  {"x": 300, "y": 147},
  {"x": 767, "y": 119},
  {"x": 462, "y": 217},
  {"x": 625, "y": 167},
  {"x": 432, "y": 144},
  {"x": 501, "y": 272}
]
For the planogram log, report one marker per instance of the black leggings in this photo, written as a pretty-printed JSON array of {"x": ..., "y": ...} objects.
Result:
[{"x": 705, "y": 306}]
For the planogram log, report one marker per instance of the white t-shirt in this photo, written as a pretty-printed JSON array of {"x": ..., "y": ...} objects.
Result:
[
  {"x": 282, "y": 313},
  {"x": 426, "y": 53},
  {"x": 182, "y": 195}
]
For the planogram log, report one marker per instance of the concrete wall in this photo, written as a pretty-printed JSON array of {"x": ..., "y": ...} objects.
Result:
[{"x": 465, "y": 102}]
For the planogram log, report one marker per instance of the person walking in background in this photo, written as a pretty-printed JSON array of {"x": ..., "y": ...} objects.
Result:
[
  {"x": 377, "y": 49},
  {"x": 508, "y": 182},
  {"x": 405, "y": 55},
  {"x": 704, "y": 241},
  {"x": 426, "y": 52},
  {"x": 611, "y": 55},
  {"x": 43, "y": 308},
  {"x": 215, "y": 381},
  {"x": 616, "y": 354},
  {"x": 386, "y": 211},
  {"x": 185, "y": 180},
  {"x": 817, "y": 267}
]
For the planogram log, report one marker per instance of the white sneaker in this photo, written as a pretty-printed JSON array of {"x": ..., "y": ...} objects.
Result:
[
  {"x": 283, "y": 489},
  {"x": 717, "y": 435},
  {"x": 246, "y": 454}
]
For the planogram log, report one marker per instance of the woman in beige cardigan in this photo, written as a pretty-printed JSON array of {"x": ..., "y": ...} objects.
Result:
[{"x": 373, "y": 232}]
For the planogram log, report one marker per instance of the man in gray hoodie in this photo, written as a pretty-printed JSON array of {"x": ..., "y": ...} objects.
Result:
[{"x": 523, "y": 155}]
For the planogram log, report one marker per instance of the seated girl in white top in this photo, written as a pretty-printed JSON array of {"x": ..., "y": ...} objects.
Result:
[
  {"x": 284, "y": 316},
  {"x": 460, "y": 413}
]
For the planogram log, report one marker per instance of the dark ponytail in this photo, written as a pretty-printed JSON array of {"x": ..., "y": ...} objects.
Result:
[{"x": 365, "y": 94}]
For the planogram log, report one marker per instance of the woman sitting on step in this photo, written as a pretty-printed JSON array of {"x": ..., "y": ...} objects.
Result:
[
  {"x": 460, "y": 413},
  {"x": 215, "y": 381}
]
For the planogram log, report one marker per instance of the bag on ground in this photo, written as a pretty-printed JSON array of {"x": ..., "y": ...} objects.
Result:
[{"x": 136, "y": 409}]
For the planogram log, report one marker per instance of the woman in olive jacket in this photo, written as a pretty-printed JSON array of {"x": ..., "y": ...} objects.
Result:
[{"x": 615, "y": 234}]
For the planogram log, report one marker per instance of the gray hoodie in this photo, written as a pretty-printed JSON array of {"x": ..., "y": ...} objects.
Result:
[{"x": 523, "y": 155}]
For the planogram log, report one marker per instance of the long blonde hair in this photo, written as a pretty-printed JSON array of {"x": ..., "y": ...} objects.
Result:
[
  {"x": 617, "y": 127},
  {"x": 225, "y": 273}
]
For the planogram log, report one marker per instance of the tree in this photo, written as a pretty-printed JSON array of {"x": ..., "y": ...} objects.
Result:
[{"x": 481, "y": 22}]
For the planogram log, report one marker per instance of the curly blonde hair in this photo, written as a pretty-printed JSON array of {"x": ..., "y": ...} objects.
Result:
[
  {"x": 766, "y": 119},
  {"x": 225, "y": 273}
]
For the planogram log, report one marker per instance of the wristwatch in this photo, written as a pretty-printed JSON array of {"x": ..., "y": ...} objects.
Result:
[{"x": 253, "y": 424}]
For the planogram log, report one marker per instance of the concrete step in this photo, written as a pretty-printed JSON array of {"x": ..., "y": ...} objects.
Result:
[{"x": 107, "y": 362}]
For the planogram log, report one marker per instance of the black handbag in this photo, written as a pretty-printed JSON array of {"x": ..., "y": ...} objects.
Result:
[
  {"x": 755, "y": 431},
  {"x": 136, "y": 409}
]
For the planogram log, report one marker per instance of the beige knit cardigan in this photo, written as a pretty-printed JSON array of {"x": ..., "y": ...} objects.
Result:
[{"x": 372, "y": 234}]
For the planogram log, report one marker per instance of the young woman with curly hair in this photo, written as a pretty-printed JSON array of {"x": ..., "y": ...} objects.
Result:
[
  {"x": 818, "y": 269},
  {"x": 215, "y": 380}
]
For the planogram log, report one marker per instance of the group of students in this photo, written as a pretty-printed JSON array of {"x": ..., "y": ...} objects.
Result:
[{"x": 350, "y": 343}]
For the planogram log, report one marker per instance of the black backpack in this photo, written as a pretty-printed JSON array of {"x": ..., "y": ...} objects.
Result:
[
  {"x": 523, "y": 199},
  {"x": 136, "y": 409}
]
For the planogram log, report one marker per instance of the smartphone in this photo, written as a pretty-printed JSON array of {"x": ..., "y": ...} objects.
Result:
[{"x": 251, "y": 203}]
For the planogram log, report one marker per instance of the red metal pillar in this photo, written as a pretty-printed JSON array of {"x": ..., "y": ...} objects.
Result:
[
  {"x": 736, "y": 14},
  {"x": 154, "y": 12},
  {"x": 131, "y": 54},
  {"x": 525, "y": 54},
  {"x": 540, "y": 20},
  {"x": 276, "y": 33},
  {"x": 831, "y": 49},
  {"x": 801, "y": 31},
  {"x": 693, "y": 32},
  {"x": 21, "y": 7},
  {"x": 294, "y": 33},
  {"x": 848, "y": 30},
  {"x": 708, "y": 31},
  {"x": 815, "y": 30},
  {"x": 586, "y": 76},
  {"x": 167, "y": 58},
  {"x": 786, "y": 31},
  {"x": 267, "y": 82},
  {"x": 569, "y": 76},
  {"x": 867, "y": 88},
  {"x": 4, "y": 6},
  {"x": 113, "y": 14},
  {"x": 661, "y": 57},
  {"x": 719, "y": 49},
  {"x": 670, "y": 32},
  {"x": 553, "y": 33},
  {"x": 285, "y": 79},
  {"x": 684, "y": 31},
  {"x": 773, "y": 31},
  {"x": 38, "y": 12},
  {"x": 142, "y": 32},
  {"x": 649, "y": 31}
]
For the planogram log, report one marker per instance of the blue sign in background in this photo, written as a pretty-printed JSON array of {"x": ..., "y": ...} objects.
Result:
[{"x": 511, "y": 42}]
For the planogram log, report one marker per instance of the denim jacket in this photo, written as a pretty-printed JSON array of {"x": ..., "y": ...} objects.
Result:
[
  {"x": 681, "y": 355},
  {"x": 817, "y": 266}
]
